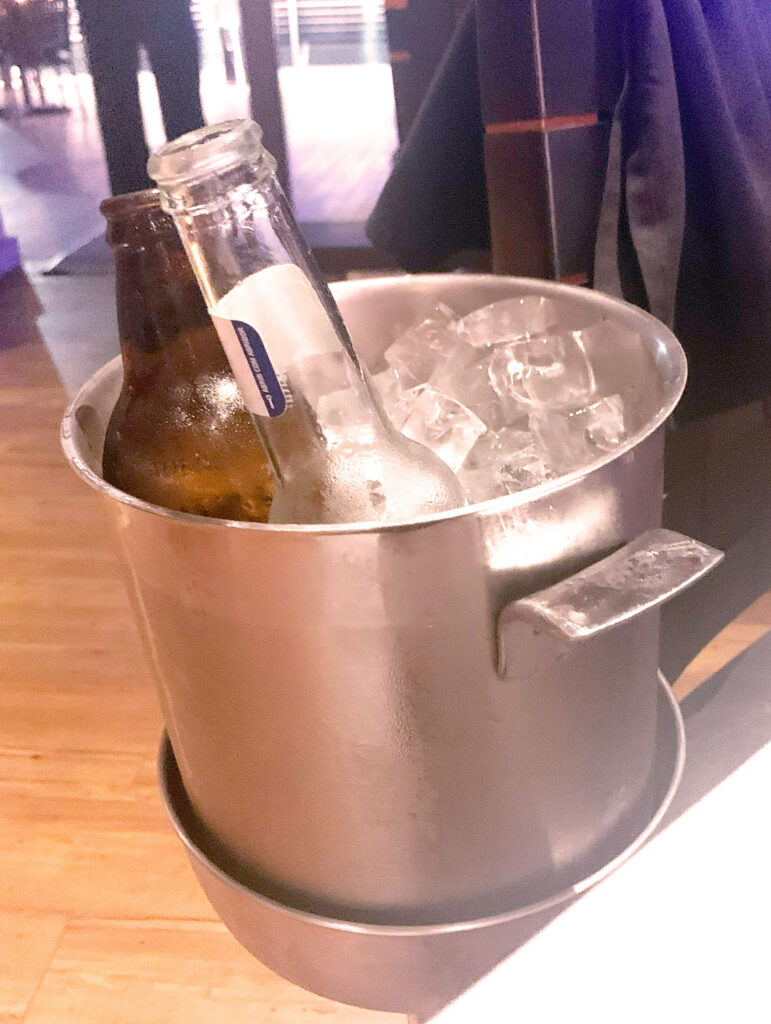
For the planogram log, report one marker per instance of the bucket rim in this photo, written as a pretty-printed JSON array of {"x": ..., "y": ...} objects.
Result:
[{"x": 625, "y": 312}]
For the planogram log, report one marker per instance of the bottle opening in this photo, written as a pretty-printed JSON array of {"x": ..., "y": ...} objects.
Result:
[
  {"x": 208, "y": 150},
  {"x": 129, "y": 203},
  {"x": 135, "y": 218}
]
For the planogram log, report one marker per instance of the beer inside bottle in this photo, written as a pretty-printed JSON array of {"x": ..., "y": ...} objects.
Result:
[
  {"x": 180, "y": 435},
  {"x": 334, "y": 452}
]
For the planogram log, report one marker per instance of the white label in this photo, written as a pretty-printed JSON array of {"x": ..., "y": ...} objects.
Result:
[{"x": 280, "y": 306}]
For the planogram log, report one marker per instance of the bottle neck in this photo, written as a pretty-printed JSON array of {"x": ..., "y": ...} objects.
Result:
[
  {"x": 162, "y": 317},
  {"x": 333, "y": 449},
  {"x": 163, "y": 324},
  {"x": 277, "y": 320}
]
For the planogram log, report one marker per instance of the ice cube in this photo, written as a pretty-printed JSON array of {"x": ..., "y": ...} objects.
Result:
[
  {"x": 428, "y": 345},
  {"x": 551, "y": 370},
  {"x": 472, "y": 387},
  {"x": 506, "y": 370},
  {"x": 495, "y": 446},
  {"x": 573, "y": 437},
  {"x": 508, "y": 320},
  {"x": 387, "y": 386},
  {"x": 344, "y": 417},
  {"x": 558, "y": 371},
  {"x": 345, "y": 408},
  {"x": 400, "y": 404},
  {"x": 526, "y": 468},
  {"x": 481, "y": 484},
  {"x": 391, "y": 394},
  {"x": 502, "y": 462},
  {"x": 564, "y": 446},
  {"x": 606, "y": 422},
  {"x": 445, "y": 426},
  {"x": 608, "y": 341}
]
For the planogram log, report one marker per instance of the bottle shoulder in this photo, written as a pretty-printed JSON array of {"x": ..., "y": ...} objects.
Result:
[
  {"x": 191, "y": 447},
  {"x": 393, "y": 480}
]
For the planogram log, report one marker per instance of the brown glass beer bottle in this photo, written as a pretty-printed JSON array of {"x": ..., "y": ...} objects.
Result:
[{"x": 180, "y": 435}]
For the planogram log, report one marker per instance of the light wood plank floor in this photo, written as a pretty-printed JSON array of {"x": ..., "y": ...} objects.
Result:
[{"x": 101, "y": 919}]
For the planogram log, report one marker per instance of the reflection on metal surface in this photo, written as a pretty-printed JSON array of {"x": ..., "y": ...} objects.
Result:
[
  {"x": 641, "y": 575},
  {"x": 412, "y": 967},
  {"x": 332, "y": 693},
  {"x": 527, "y": 538}
]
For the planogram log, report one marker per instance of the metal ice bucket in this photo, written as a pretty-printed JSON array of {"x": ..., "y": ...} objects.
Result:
[{"x": 431, "y": 721}]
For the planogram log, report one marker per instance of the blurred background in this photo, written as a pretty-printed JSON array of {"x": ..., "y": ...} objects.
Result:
[{"x": 335, "y": 84}]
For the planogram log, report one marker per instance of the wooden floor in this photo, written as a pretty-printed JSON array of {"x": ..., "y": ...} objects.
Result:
[
  {"x": 341, "y": 136},
  {"x": 101, "y": 919}
]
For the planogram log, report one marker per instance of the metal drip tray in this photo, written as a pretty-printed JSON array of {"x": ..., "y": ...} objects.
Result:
[{"x": 413, "y": 968}]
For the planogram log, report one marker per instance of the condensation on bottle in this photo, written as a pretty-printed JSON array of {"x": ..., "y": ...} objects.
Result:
[
  {"x": 180, "y": 435},
  {"x": 286, "y": 340}
]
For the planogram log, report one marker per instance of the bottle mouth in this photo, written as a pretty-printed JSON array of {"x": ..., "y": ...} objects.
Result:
[
  {"x": 129, "y": 203},
  {"x": 209, "y": 150},
  {"x": 134, "y": 218}
]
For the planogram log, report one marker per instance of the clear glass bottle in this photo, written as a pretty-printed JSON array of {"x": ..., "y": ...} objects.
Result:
[
  {"x": 335, "y": 454},
  {"x": 179, "y": 435}
]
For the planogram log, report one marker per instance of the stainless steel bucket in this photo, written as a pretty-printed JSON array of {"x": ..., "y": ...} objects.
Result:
[
  {"x": 405, "y": 724},
  {"x": 414, "y": 969}
]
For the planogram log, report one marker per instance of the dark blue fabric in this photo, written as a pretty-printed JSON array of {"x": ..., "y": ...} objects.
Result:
[
  {"x": 435, "y": 202},
  {"x": 721, "y": 51}
]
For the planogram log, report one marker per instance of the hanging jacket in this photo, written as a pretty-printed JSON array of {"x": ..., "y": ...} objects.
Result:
[{"x": 685, "y": 225}]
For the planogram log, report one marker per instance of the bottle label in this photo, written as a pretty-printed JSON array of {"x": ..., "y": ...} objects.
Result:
[
  {"x": 252, "y": 368},
  {"x": 270, "y": 324}
]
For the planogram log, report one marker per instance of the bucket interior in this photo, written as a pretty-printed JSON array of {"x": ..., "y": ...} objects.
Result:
[{"x": 642, "y": 360}]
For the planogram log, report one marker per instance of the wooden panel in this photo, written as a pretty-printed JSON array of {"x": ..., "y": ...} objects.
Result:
[
  {"x": 538, "y": 72},
  {"x": 517, "y": 191},
  {"x": 122, "y": 972},
  {"x": 544, "y": 185},
  {"x": 27, "y": 944},
  {"x": 745, "y": 630},
  {"x": 566, "y": 42},
  {"x": 508, "y": 70}
]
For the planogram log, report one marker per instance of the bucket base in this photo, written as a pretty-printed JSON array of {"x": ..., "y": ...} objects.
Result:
[{"x": 411, "y": 969}]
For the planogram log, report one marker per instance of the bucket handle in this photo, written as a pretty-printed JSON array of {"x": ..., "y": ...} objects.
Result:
[{"x": 641, "y": 575}]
